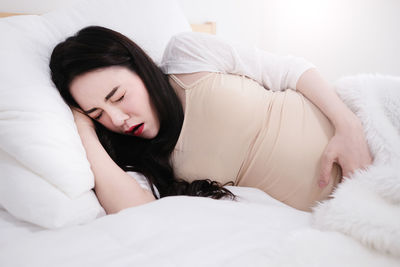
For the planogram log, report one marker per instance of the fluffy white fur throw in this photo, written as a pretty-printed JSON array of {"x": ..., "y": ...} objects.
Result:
[{"x": 367, "y": 205}]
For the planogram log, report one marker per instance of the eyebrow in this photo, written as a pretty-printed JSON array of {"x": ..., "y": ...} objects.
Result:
[{"x": 110, "y": 94}]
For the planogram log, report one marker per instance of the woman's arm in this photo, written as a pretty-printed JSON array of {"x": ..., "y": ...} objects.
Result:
[
  {"x": 195, "y": 52},
  {"x": 348, "y": 147},
  {"x": 115, "y": 189}
]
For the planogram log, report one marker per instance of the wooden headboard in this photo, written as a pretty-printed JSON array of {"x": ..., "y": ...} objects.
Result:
[
  {"x": 207, "y": 27},
  {"x": 8, "y": 14}
]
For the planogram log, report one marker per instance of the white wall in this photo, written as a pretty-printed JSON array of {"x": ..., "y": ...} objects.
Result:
[
  {"x": 341, "y": 37},
  {"x": 31, "y": 6}
]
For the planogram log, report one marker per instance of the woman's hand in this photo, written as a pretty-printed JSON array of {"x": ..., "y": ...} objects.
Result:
[
  {"x": 348, "y": 148},
  {"x": 115, "y": 189},
  {"x": 82, "y": 121}
]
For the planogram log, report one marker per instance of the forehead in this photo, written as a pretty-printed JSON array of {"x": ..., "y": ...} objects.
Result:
[
  {"x": 99, "y": 78},
  {"x": 90, "y": 86}
]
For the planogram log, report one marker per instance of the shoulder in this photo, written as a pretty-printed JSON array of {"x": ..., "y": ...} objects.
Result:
[
  {"x": 187, "y": 42},
  {"x": 184, "y": 43},
  {"x": 189, "y": 52},
  {"x": 194, "y": 52}
]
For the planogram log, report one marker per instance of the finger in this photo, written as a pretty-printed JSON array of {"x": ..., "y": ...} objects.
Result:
[
  {"x": 326, "y": 168},
  {"x": 368, "y": 161},
  {"x": 348, "y": 170},
  {"x": 345, "y": 173}
]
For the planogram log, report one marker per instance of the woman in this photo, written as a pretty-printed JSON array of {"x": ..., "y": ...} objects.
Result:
[{"x": 204, "y": 115}]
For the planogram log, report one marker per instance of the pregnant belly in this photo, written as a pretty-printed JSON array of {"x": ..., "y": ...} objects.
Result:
[{"x": 284, "y": 160}]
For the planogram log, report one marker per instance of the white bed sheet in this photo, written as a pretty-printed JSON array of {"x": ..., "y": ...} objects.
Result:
[{"x": 188, "y": 231}]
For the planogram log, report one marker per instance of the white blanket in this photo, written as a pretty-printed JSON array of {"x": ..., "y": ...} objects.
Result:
[
  {"x": 189, "y": 231},
  {"x": 367, "y": 206},
  {"x": 362, "y": 220}
]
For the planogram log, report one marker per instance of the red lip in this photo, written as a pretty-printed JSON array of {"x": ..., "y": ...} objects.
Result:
[{"x": 136, "y": 129}]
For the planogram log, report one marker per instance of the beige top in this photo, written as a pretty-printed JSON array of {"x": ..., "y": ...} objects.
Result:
[{"x": 236, "y": 130}]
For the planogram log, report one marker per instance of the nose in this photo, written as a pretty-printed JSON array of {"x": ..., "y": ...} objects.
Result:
[{"x": 117, "y": 116}]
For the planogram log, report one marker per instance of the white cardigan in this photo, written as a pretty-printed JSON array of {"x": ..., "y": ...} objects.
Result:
[{"x": 190, "y": 52}]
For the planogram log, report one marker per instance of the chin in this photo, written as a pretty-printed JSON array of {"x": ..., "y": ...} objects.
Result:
[{"x": 153, "y": 135}]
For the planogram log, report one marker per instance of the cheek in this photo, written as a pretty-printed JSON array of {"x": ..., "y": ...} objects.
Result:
[
  {"x": 146, "y": 103},
  {"x": 138, "y": 104},
  {"x": 106, "y": 122},
  {"x": 134, "y": 104}
]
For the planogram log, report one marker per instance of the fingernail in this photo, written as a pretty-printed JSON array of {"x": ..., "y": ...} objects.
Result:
[{"x": 322, "y": 183}]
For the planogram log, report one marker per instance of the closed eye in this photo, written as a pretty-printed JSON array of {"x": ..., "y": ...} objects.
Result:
[
  {"x": 101, "y": 113},
  {"x": 120, "y": 99},
  {"x": 98, "y": 116}
]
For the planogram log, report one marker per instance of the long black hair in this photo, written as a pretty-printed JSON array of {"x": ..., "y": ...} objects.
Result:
[{"x": 96, "y": 47}]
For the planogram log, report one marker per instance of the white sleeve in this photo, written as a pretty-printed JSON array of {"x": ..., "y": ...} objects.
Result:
[{"x": 193, "y": 52}]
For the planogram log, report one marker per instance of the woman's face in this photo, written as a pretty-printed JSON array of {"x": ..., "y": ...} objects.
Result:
[{"x": 117, "y": 98}]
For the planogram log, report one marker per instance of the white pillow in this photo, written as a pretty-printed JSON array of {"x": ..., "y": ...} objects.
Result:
[{"x": 45, "y": 176}]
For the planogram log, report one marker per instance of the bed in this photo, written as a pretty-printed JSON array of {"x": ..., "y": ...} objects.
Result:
[{"x": 50, "y": 217}]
